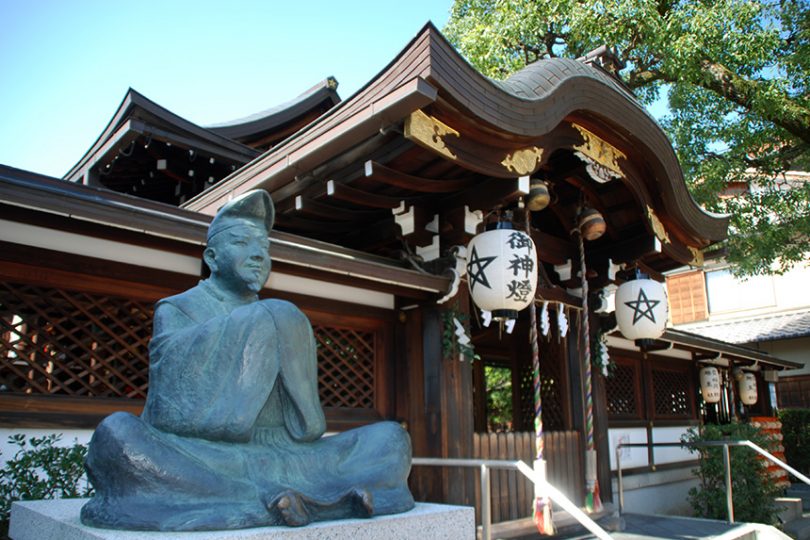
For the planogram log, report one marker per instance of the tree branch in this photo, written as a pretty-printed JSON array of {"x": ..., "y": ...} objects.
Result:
[
  {"x": 784, "y": 155},
  {"x": 644, "y": 77},
  {"x": 786, "y": 113}
]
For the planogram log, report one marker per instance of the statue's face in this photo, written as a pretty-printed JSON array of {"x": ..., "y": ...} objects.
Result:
[{"x": 241, "y": 257}]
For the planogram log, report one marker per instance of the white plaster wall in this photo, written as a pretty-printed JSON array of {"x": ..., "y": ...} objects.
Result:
[
  {"x": 66, "y": 242},
  {"x": 670, "y": 454},
  {"x": 663, "y": 492},
  {"x": 630, "y": 457},
  {"x": 795, "y": 350},
  {"x": 730, "y": 297}
]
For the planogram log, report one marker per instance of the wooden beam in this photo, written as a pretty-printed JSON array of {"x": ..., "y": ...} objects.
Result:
[
  {"x": 306, "y": 205},
  {"x": 372, "y": 236},
  {"x": 327, "y": 228},
  {"x": 558, "y": 294},
  {"x": 552, "y": 249},
  {"x": 391, "y": 177},
  {"x": 629, "y": 250},
  {"x": 360, "y": 197},
  {"x": 489, "y": 194}
]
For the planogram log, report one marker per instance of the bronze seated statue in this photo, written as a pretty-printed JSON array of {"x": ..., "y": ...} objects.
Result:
[{"x": 232, "y": 434}]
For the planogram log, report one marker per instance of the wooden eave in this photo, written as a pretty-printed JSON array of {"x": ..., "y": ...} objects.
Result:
[
  {"x": 706, "y": 349},
  {"x": 42, "y": 194},
  {"x": 538, "y": 106},
  {"x": 139, "y": 115},
  {"x": 322, "y": 95},
  {"x": 738, "y": 353}
]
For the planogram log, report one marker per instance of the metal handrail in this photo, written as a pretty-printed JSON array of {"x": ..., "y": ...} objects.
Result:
[
  {"x": 486, "y": 510},
  {"x": 726, "y": 465}
]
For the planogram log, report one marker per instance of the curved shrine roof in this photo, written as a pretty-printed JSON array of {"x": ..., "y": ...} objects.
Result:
[
  {"x": 429, "y": 115},
  {"x": 324, "y": 94}
]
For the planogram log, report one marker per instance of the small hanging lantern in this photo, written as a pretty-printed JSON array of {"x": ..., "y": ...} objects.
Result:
[
  {"x": 538, "y": 197},
  {"x": 641, "y": 308},
  {"x": 591, "y": 224},
  {"x": 710, "y": 384},
  {"x": 502, "y": 270},
  {"x": 748, "y": 389}
]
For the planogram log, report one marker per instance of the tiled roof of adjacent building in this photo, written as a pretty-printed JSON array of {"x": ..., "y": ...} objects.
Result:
[{"x": 772, "y": 327}]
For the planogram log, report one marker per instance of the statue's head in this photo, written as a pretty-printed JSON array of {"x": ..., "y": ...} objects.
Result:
[{"x": 238, "y": 245}]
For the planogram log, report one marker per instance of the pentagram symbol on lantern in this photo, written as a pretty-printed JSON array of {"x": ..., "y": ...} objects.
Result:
[
  {"x": 475, "y": 268},
  {"x": 638, "y": 311}
]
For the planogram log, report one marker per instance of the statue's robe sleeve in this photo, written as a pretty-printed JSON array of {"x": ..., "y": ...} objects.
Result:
[{"x": 213, "y": 368}]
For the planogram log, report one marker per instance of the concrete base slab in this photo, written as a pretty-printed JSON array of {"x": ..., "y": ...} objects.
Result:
[{"x": 59, "y": 520}]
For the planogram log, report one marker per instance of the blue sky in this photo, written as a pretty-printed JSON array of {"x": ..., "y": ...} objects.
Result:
[{"x": 65, "y": 65}]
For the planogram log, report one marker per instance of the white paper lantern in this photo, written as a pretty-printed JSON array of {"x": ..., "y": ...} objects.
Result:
[
  {"x": 641, "y": 309},
  {"x": 748, "y": 389},
  {"x": 502, "y": 271},
  {"x": 710, "y": 384}
]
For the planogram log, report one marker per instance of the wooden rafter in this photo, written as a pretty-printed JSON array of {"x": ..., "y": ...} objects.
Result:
[
  {"x": 314, "y": 226},
  {"x": 385, "y": 175},
  {"x": 489, "y": 194},
  {"x": 310, "y": 206},
  {"x": 360, "y": 197}
]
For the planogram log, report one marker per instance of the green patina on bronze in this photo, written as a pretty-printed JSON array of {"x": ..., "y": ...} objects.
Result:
[{"x": 232, "y": 432}]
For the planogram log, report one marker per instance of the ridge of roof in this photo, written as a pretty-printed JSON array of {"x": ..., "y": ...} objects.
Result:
[
  {"x": 532, "y": 103},
  {"x": 764, "y": 327},
  {"x": 133, "y": 101},
  {"x": 98, "y": 205},
  {"x": 326, "y": 90},
  {"x": 676, "y": 335}
]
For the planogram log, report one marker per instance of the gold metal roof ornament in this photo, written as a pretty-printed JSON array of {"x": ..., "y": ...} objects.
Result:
[
  {"x": 601, "y": 156},
  {"x": 523, "y": 161},
  {"x": 429, "y": 132},
  {"x": 658, "y": 227}
]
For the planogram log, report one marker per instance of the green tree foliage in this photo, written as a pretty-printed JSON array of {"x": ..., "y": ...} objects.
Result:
[
  {"x": 737, "y": 77},
  {"x": 41, "y": 470},
  {"x": 752, "y": 490},
  {"x": 499, "y": 398}
]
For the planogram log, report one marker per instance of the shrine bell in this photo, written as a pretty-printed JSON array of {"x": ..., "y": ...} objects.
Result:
[{"x": 591, "y": 224}]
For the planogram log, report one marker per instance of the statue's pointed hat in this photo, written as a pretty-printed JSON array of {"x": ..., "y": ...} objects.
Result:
[{"x": 253, "y": 207}]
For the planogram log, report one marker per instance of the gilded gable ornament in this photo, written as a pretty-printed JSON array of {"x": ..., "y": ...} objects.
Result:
[
  {"x": 429, "y": 132},
  {"x": 523, "y": 161},
  {"x": 601, "y": 157},
  {"x": 657, "y": 227},
  {"x": 697, "y": 257}
]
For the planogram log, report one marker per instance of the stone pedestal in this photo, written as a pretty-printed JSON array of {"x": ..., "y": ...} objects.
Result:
[{"x": 59, "y": 520}]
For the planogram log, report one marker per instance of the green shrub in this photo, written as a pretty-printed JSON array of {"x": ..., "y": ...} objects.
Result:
[
  {"x": 752, "y": 490},
  {"x": 41, "y": 470},
  {"x": 796, "y": 433}
]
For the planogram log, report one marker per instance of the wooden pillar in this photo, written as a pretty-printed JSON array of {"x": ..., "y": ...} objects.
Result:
[
  {"x": 456, "y": 393},
  {"x": 437, "y": 405},
  {"x": 415, "y": 408}
]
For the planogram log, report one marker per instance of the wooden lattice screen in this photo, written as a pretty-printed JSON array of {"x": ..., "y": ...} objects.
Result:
[
  {"x": 552, "y": 390},
  {"x": 671, "y": 393},
  {"x": 71, "y": 343},
  {"x": 621, "y": 388},
  {"x": 650, "y": 389},
  {"x": 60, "y": 342},
  {"x": 346, "y": 362}
]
